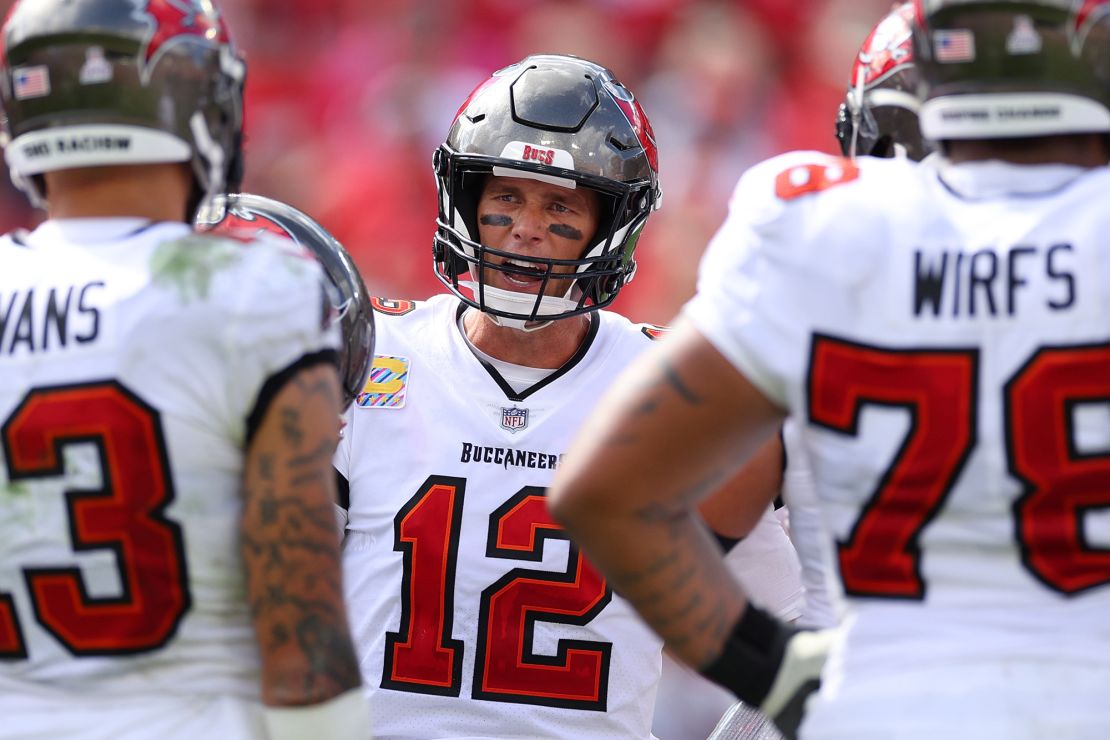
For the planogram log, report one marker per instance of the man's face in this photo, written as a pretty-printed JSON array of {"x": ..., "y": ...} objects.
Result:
[{"x": 534, "y": 219}]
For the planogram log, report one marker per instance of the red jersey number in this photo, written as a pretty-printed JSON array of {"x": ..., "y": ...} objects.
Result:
[
  {"x": 125, "y": 516},
  {"x": 805, "y": 179},
  {"x": 422, "y": 657},
  {"x": 881, "y": 557}
]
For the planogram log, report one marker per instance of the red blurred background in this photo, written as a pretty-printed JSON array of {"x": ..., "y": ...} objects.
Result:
[{"x": 347, "y": 99}]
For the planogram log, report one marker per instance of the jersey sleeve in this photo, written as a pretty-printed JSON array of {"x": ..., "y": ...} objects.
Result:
[
  {"x": 281, "y": 322},
  {"x": 762, "y": 280},
  {"x": 341, "y": 461}
]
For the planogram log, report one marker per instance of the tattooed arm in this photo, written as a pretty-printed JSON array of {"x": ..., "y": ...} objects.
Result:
[
  {"x": 290, "y": 548},
  {"x": 675, "y": 428}
]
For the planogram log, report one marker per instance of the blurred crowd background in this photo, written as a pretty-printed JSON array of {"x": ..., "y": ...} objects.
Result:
[{"x": 347, "y": 99}]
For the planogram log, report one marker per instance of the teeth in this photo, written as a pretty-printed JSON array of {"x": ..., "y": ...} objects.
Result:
[{"x": 522, "y": 263}]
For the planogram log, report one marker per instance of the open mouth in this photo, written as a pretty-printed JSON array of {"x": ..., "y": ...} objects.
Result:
[{"x": 524, "y": 274}]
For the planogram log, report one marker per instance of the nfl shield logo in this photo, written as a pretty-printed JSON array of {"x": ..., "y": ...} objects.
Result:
[{"x": 514, "y": 419}]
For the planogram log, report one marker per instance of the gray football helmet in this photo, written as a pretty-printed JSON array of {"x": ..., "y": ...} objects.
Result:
[
  {"x": 562, "y": 119},
  {"x": 1013, "y": 69},
  {"x": 90, "y": 83}
]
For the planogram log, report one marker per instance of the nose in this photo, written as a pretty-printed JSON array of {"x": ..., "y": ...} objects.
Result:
[{"x": 530, "y": 224}]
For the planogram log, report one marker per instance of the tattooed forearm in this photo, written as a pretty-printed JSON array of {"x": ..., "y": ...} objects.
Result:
[
  {"x": 313, "y": 466},
  {"x": 291, "y": 426},
  {"x": 290, "y": 549},
  {"x": 675, "y": 585}
]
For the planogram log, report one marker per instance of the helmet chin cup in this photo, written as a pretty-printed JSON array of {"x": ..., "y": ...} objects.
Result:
[{"x": 523, "y": 311}]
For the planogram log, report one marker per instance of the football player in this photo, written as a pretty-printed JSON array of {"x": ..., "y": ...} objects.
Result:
[
  {"x": 944, "y": 351},
  {"x": 168, "y": 563},
  {"x": 473, "y": 614},
  {"x": 878, "y": 118}
]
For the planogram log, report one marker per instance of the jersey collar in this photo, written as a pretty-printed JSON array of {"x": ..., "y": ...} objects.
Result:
[{"x": 996, "y": 179}]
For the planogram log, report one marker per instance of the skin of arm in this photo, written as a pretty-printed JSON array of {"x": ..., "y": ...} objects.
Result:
[
  {"x": 734, "y": 509},
  {"x": 290, "y": 547},
  {"x": 673, "y": 429}
]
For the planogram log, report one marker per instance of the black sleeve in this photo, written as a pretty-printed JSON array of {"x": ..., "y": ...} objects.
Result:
[{"x": 343, "y": 489}]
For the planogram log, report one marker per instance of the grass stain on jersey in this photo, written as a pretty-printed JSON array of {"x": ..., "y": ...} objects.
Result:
[{"x": 188, "y": 264}]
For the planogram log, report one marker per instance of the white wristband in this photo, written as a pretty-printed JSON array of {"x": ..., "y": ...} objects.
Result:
[{"x": 346, "y": 717}]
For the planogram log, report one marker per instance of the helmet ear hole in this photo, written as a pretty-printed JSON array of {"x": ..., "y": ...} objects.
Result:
[{"x": 611, "y": 284}]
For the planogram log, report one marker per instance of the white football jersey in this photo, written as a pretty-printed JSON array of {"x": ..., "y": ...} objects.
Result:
[
  {"x": 473, "y": 615},
  {"x": 823, "y": 606},
  {"x": 942, "y": 334},
  {"x": 132, "y": 356}
]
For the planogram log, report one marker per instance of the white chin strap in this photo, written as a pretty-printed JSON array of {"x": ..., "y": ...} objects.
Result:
[{"x": 509, "y": 301}]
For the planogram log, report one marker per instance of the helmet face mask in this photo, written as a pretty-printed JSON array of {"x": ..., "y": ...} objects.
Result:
[
  {"x": 246, "y": 214},
  {"x": 560, "y": 120},
  {"x": 1025, "y": 68},
  {"x": 90, "y": 83}
]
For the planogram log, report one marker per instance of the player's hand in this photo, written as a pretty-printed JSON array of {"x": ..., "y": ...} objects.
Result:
[
  {"x": 799, "y": 675},
  {"x": 772, "y": 665}
]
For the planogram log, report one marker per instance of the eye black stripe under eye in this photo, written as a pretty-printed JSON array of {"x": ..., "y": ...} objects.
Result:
[
  {"x": 496, "y": 219},
  {"x": 565, "y": 231}
]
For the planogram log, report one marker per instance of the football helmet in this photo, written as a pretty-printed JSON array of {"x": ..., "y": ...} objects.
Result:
[
  {"x": 1022, "y": 68},
  {"x": 246, "y": 214},
  {"x": 879, "y": 114},
  {"x": 90, "y": 83},
  {"x": 558, "y": 119}
]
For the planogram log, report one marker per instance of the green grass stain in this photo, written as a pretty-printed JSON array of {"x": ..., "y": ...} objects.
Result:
[{"x": 189, "y": 264}]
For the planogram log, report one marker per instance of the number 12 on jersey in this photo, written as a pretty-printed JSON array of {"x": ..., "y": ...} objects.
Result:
[{"x": 423, "y": 657}]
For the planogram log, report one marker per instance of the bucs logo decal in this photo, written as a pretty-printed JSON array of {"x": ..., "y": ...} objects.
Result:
[
  {"x": 177, "y": 21},
  {"x": 628, "y": 104},
  {"x": 888, "y": 47},
  {"x": 245, "y": 222}
]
